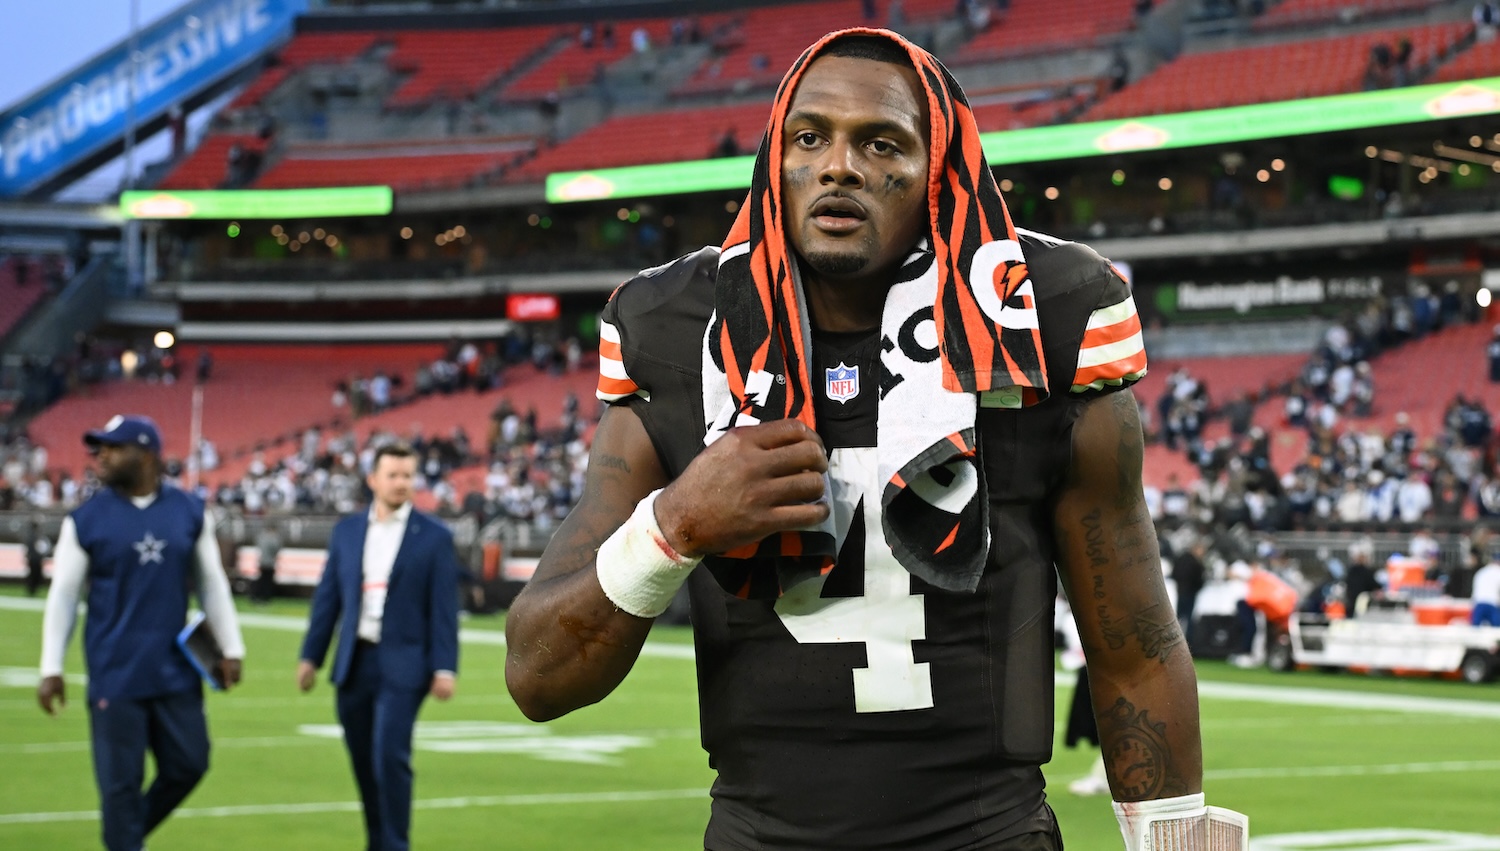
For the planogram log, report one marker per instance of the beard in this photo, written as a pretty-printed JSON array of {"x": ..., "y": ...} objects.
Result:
[{"x": 836, "y": 264}]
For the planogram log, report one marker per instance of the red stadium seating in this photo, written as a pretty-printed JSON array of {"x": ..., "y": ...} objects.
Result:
[
  {"x": 1225, "y": 378},
  {"x": 770, "y": 39},
  {"x": 306, "y": 49},
  {"x": 257, "y": 395},
  {"x": 1032, "y": 26},
  {"x": 576, "y": 65},
  {"x": 208, "y": 166},
  {"x": 17, "y": 299},
  {"x": 407, "y": 166},
  {"x": 1267, "y": 73},
  {"x": 457, "y": 64},
  {"x": 684, "y": 134},
  {"x": 1295, "y": 12},
  {"x": 1031, "y": 112},
  {"x": 1481, "y": 60}
]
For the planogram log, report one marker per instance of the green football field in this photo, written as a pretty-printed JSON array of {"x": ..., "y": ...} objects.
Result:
[{"x": 1328, "y": 761}]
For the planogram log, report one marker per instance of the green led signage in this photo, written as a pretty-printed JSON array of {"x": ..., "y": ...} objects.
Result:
[
  {"x": 1070, "y": 141},
  {"x": 257, "y": 203}
]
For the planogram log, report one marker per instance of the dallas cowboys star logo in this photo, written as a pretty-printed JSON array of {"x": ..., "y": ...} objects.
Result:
[{"x": 150, "y": 549}]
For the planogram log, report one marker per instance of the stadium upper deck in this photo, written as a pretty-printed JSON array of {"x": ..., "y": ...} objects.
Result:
[{"x": 553, "y": 90}]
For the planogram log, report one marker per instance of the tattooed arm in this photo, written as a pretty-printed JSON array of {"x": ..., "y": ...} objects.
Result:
[
  {"x": 567, "y": 645},
  {"x": 1140, "y": 673}
]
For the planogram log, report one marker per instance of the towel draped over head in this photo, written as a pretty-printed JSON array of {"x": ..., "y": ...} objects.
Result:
[{"x": 968, "y": 278}]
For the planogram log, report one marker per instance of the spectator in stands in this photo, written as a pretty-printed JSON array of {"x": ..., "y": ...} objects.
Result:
[
  {"x": 1119, "y": 74},
  {"x": 1486, "y": 20},
  {"x": 640, "y": 40},
  {"x": 868, "y": 8},
  {"x": 1493, "y": 351},
  {"x": 729, "y": 145},
  {"x": 975, "y": 15},
  {"x": 1295, "y": 405}
]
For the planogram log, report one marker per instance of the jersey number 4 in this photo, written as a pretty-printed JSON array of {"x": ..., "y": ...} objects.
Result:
[{"x": 887, "y": 619}]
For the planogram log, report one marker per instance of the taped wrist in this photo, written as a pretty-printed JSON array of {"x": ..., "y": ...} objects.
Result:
[
  {"x": 638, "y": 570},
  {"x": 1181, "y": 824}
]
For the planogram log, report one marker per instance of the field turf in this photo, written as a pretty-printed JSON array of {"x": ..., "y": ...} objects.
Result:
[{"x": 1301, "y": 753}]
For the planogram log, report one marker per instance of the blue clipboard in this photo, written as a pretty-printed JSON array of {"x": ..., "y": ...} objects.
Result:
[{"x": 197, "y": 643}]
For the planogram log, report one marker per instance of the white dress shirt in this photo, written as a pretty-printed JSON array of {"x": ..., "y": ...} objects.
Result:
[
  {"x": 70, "y": 567},
  {"x": 382, "y": 541},
  {"x": 1487, "y": 584}
]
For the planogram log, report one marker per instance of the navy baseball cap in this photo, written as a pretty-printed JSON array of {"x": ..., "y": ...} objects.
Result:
[{"x": 126, "y": 430}]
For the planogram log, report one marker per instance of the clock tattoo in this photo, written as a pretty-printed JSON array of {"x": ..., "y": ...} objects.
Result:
[{"x": 1138, "y": 751}]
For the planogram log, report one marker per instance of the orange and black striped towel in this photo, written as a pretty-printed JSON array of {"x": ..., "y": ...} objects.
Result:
[{"x": 969, "y": 278}]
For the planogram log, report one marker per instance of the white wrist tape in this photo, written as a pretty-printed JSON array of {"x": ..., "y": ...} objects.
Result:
[
  {"x": 1181, "y": 824},
  {"x": 638, "y": 570}
]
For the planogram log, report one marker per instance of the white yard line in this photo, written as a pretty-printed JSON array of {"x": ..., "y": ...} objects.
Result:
[
  {"x": 1401, "y": 768},
  {"x": 313, "y": 808},
  {"x": 290, "y": 623},
  {"x": 473, "y": 802}
]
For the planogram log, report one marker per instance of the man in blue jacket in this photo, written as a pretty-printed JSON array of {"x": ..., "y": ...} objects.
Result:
[
  {"x": 390, "y": 588},
  {"x": 139, "y": 545}
]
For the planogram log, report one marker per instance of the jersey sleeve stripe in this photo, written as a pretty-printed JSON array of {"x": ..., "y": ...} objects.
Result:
[
  {"x": 611, "y": 368},
  {"x": 1124, "y": 371},
  {"x": 1113, "y": 314},
  {"x": 614, "y": 382},
  {"x": 1106, "y": 334},
  {"x": 610, "y": 350},
  {"x": 1113, "y": 351},
  {"x": 615, "y": 389},
  {"x": 1109, "y": 352}
]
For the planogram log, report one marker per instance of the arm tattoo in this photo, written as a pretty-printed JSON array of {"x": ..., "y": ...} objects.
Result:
[
  {"x": 1158, "y": 636},
  {"x": 1136, "y": 748},
  {"x": 613, "y": 462}
]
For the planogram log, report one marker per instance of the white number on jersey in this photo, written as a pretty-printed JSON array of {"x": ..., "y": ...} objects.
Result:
[{"x": 887, "y": 619}]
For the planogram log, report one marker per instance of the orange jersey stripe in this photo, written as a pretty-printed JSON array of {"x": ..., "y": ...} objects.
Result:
[
  {"x": 1112, "y": 371},
  {"x": 1112, "y": 333}
]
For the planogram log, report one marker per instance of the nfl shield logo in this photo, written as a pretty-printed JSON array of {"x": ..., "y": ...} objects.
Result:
[{"x": 843, "y": 382}]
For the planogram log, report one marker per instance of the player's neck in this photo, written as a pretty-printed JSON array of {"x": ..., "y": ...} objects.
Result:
[
  {"x": 147, "y": 486},
  {"x": 842, "y": 306}
]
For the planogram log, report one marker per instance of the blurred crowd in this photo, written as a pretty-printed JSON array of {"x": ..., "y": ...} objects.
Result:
[{"x": 1354, "y": 469}]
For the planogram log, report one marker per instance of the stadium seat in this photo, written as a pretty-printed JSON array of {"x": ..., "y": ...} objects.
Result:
[
  {"x": 458, "y": 64},
  {"x": 17, "y": 298},
  {"x": 1289, "y": 13},
  {"x": 683, "y": 134},
  {"x": 770, "y": 38},
  {"x": 258, "y": 394},
  {"x": 1481, "y": 60},
  {"x": 304, "y": 50},
  {"x": 408, "y": 166},
  {"x": 207, "y": 167},
  {"x": 1274, "y": 72},
  {"x": 1036, "y": 26}
]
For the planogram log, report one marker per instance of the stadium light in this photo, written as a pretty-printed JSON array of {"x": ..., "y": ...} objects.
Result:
[
  {"x": 1483, "y": 297},
  {"x": 258, "y": 203},
  {"x": 1310, "y": 116},
  {"x": 164, "y": 340}
]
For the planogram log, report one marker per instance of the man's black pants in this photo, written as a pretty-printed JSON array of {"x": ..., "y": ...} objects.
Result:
[{"x": 174, "y": 728}]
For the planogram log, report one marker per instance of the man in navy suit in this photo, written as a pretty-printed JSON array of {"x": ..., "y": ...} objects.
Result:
[{"x": 392, "y": 579}]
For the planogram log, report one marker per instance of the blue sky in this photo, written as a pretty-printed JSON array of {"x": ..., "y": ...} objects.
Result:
[{"x": 40, "y": 40}]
